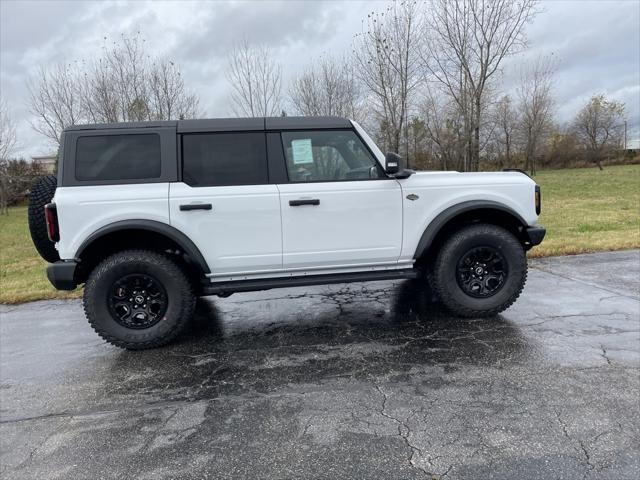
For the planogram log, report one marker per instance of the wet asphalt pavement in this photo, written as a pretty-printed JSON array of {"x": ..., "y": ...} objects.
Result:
[{"x": 368, "y": 381}]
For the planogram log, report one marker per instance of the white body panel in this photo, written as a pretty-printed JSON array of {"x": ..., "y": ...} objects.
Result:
[
  {"x": 242, "y": 232},
  {"x": 357, "y": 223},
  {"x": 84, "y": 210},
  {"x": 438, "y": 191}
]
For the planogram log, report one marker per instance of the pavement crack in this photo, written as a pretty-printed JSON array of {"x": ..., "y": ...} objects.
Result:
[
  {"x": 587, "y": 457},
  {"x": 403, "y": 431},
  {"x": 582, "y": 450},
  {"x": 604, "y": 355},
  {"x": 161, "y": 427}
]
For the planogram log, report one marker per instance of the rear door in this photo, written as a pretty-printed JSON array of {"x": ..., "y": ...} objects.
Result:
[
  {"x": 225, "y": 203},
  {"x": 339, "y": 210}
]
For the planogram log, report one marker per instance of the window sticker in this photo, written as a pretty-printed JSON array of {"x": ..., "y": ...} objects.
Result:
[{"x": 302, "y": 151}]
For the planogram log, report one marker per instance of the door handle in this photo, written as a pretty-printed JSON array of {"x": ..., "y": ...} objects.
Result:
[
  {"x": 195, "y": 206},
  {"x": 297, "y": 203}
]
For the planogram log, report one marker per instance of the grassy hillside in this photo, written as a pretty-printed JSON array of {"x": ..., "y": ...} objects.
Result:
[{"x": 584, "y": 210}]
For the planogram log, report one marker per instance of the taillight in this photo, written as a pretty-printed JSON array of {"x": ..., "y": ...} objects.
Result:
[
  {"x": 538, "y": 200},
  {"x": 51, "y": 216}
]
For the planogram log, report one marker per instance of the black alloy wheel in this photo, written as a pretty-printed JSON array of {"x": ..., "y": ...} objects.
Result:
[
  {"x": 482, "y": 271},
  {"x": 137, "y": 301}
]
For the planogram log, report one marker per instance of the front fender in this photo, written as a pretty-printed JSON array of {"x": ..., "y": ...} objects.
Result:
[{"x": 450, "y": 213}]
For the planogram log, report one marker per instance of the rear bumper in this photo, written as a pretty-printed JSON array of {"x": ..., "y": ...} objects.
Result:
[
  {"x": 535, "y": 235},
  {"x": 62, "y": 275}
]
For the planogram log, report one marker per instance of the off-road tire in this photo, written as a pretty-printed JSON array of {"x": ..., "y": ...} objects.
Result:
[
  {"x": 180, "y": 305},
  {"x": 41, "y": 194},
  {"x": 444, "y": 273}
]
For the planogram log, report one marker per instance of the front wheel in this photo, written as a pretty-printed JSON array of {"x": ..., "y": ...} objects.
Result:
[
  {"x": 138, "y": 299},
  {"x": 480, "y": 271}
]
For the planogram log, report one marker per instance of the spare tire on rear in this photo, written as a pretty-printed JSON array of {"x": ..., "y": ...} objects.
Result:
[{"x": 41, "y": 194}]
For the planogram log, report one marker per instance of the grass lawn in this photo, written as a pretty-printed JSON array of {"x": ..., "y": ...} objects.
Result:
[
  {"x": 587, "y": 210},
  {"x": 584, "y": 210},
  {"x": 22, "y": 271}
]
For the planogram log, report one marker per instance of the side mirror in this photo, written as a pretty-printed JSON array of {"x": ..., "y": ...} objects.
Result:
[{"x": 392, "y": 161}]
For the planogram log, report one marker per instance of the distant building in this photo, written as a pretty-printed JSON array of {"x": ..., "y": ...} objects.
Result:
[{"x": 47, "y": 162}]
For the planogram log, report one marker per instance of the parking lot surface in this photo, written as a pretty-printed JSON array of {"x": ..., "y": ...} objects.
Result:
[{"x": 369, "y": 381}]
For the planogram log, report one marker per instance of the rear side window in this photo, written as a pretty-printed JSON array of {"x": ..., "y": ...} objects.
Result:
[
  {"x": 118, "y": 157},
  {"x": 218, "y": 159}
]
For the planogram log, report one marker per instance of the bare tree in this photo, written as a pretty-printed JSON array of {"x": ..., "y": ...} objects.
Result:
[
  {"x": 598, "y": 126},
  {"x": 8, "y": 138},
  {"x": 444, "y": 124},
  {"x": 536, "y": 109},
  {"x": 329, "y": 87},
  {"x": 168, "y": 95},
  {"x": 16, "y": 176},
  {"x": 466, "y": 43},
  {"x": 55, "y": 101},
  {"x": 506, "y": 124},
  {"x": 123, "y": 84},
  {"x": 256, "y": 81},
  {"x": 8, "y": 141},
  {"x": 386, "y": 61}
]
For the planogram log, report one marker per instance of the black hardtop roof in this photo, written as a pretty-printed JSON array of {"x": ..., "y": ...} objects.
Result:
[{"x": 226, "y": 124}]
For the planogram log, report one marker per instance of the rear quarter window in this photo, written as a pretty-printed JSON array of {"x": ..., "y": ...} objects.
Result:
[{"x": 118, "y": 157}]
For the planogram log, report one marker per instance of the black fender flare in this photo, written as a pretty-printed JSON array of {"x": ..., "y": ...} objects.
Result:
[
  {"x": 450, "y": 213},
  {"x": 185, "y": 243}
]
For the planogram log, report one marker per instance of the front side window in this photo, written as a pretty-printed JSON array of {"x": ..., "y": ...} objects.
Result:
[
  {"x": 118, "y": 157},
  {"x": 218, "y": 159},
  {"x": 328, "y": 156}
]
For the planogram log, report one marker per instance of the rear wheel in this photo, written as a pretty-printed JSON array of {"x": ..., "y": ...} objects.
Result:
[
  {"x": 480, "y": 271},
  {"x": 138, "y": 299}
]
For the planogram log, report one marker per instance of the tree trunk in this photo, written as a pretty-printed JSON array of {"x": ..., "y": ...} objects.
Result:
[
  {"x": 476, "y": 149},
  {"x": 476, "y": 137}
]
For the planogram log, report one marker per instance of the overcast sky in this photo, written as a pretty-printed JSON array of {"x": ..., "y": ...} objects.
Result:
[{"x": 596, "y": 43}]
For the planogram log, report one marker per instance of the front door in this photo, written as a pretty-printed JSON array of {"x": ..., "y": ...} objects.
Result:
[
  {"x": 339, "y": 210},
  {"x": 226, "y": 205}
]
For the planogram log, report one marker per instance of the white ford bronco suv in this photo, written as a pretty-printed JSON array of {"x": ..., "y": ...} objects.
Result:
[{"x": 149, "y": 216}]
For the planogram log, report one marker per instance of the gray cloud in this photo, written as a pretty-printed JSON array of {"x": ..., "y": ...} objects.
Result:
[{"x": 597, "y": 44}]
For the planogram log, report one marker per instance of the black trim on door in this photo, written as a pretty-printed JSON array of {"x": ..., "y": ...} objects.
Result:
[
  {"x": 298, "y": 203},
  {"x": 195, "y": 206}
]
